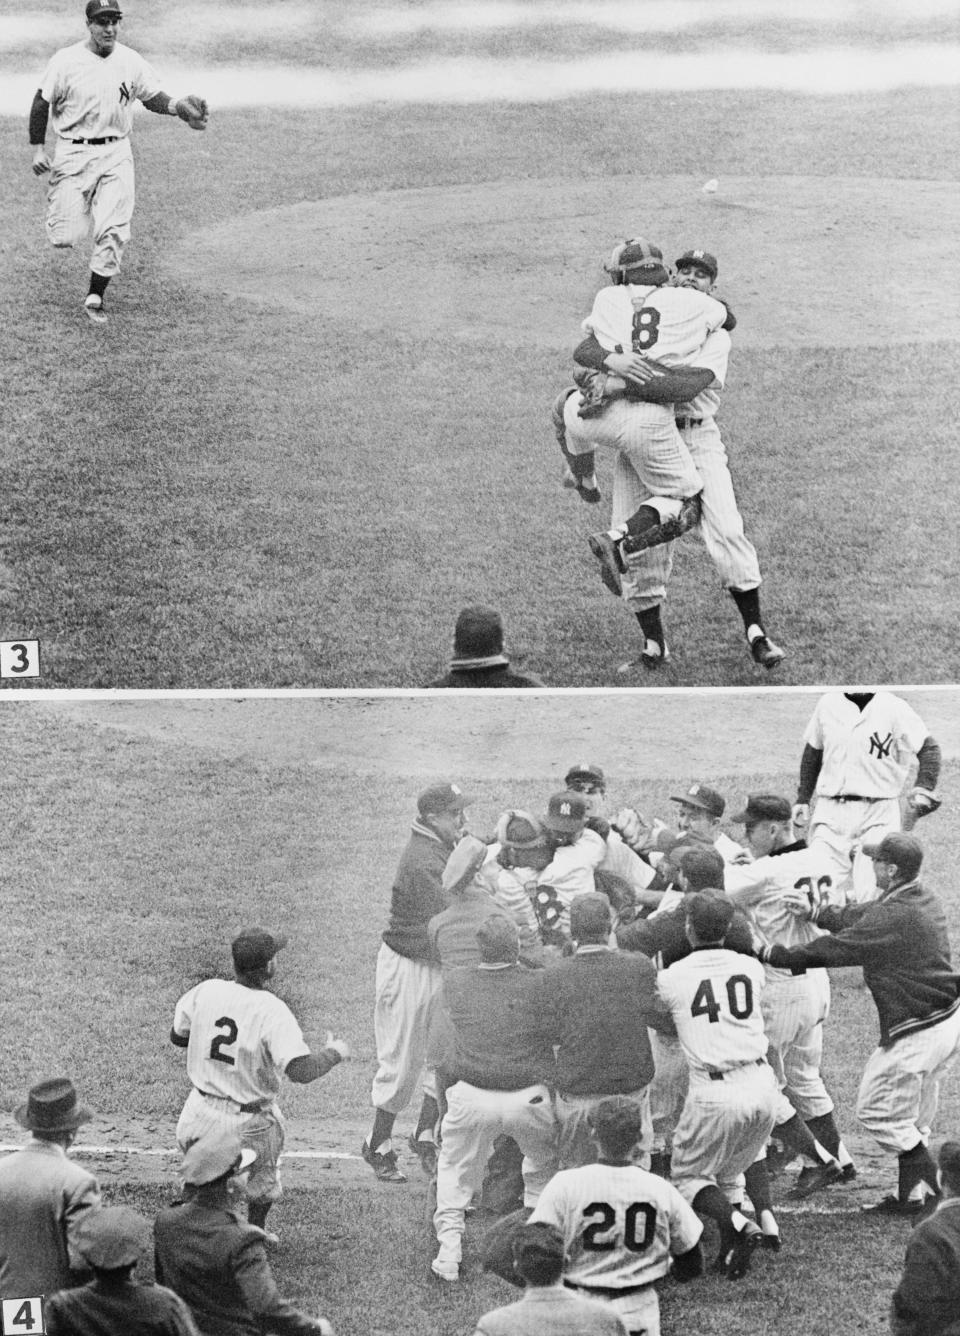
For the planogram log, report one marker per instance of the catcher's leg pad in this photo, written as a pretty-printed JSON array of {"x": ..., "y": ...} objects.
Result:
[
  {"x": 579, "y": 472},
  {"x": 649, "y": 528}
]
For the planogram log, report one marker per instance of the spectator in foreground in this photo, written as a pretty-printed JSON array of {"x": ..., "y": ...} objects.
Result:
[
  {"x": 927, "y": 1300},
  {"x": 478, "y": 657}
]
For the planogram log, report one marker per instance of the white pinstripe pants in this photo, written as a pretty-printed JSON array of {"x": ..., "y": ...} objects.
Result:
[{"x": 92, "y": 184}]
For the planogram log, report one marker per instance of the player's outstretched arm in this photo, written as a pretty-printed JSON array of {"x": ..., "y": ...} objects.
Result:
[
  {"x": 181, "y": 1040},
  {"x": 193, "y": 109},
  {"x": 39, "y": 114},
  {"x": 311, "y": 1066}
]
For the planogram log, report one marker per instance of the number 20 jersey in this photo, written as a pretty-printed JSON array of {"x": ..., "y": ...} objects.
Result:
[
  {"x": 714, "y": 998},
  {"x": 241, "y": 1039}
]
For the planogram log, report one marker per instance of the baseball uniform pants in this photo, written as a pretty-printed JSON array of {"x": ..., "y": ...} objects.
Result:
[
  {"x": 407, "y": 998},
  {"x": 576, "y": 1145},
  {"x": 668, "y": 1089},
  {"x": 639, "y": 1312},
  {"x": 838, "y": 829},
  {"x": 472, "y": 1122},
  {"x": 262, "y": 1132},
  {"x": 724, "y": 1128},
  {"x": 900, "y": 1088},
  {"x": 794, "y": 1010},
  {"x": 92, "y": 184}
]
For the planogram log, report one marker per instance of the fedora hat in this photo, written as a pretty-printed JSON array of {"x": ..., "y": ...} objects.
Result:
[{"x": 52, "y": 1106}]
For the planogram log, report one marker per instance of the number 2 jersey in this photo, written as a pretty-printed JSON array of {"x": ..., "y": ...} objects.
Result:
[
  {"x": 241, "y": 1039},
  {"x": 669, "y": 324},
  {"x": 714, "y": 998},
  {"x": 620, "y": 1224}
]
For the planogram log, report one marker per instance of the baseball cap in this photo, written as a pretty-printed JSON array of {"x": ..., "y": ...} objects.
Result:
[
  {"x": 97, "y": 9},
  {"x": 764, "y": 807},
  {"x": 538, "y": 1240},
  {"x": 465, "y": 861},
  {"x": 902, "y": 850},
  {"x": 442, "y": 798},
  {"x": 253, "y": 948},
  {"x": 212, "y": 1156},
  {"x": 109, "y": 1237},
  {"x": 709, "y": 916},
  {"x": 701, "y": 257},
  {"x": 498, "y": 941},
  {"x": 586, "y": 770},
  {"x": 566, "y": 812},
  {"x": 698, "y": 795}
]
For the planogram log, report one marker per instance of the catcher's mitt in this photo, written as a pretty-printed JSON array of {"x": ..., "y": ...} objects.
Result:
[
  {"x": 918, "y": 803},
  {"x": 194, "y": 111},
  {"x": 593, "y": 391}
]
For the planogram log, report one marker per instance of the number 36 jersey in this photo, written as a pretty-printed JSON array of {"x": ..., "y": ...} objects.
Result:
[
  {"x": 619, "y": 1222},
  {"x": 714, "y": 999},
  {"x": 240, "y": 1039}
]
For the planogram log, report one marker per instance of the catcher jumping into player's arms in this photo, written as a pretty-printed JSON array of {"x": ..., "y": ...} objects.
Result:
[{"x": 88, "y": 90}]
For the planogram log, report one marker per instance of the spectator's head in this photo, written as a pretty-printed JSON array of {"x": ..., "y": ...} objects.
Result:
[
  {"x": 538, "y": 1253},
  {"x": 52, "y": 1111},
  {"x": 112, "y": 1238},
  {"x": 498, "y": 941},
  {"x": 215, "y": 1160},
  {"x": 617, "y": 1124},
  {"x": 708, "y": 918},
  {"x": 590, "y": 919},
  {"x": 896, "y": 860},
  {"x": 463, "y": 865},
  {"x": 478, "y": 638},
  {"x": 949, "y": 1168}
]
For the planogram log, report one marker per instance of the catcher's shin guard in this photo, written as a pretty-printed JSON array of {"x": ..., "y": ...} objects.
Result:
[
  {"x": 579, "y": 472},
  {"x": 652, "y": 530}
]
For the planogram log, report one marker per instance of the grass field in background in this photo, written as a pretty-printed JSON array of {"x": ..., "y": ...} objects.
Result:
[{"x": 217, "y": 493}]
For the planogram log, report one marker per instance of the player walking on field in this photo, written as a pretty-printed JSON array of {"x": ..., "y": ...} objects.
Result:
[
  {"x": 88, "y": 90},
  {"x": 240, "y": 1040},
  {"x": 858, "y": 750}
]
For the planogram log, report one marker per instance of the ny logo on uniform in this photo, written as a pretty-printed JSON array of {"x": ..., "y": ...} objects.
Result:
[
  {"x": 881, "y": 746},
  {"x": 124, "y": 94}
]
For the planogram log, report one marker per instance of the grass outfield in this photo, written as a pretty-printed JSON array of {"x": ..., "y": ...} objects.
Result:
[{"x": 220, "y": 492}]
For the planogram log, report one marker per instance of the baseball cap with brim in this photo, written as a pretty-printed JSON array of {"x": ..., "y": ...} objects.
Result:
[
  {"x": 764, "y": 807},
  {"x": 585, "y": 770},
  {"x": 903, "y": 851},
  {"x": 254, "y": 948},
  {"x": 566, "y": 813},
  {"x": 52, "y": 1106},
  {"x": 441, "y": 798},
  {"x": 109, "y": 1237},
  {"x": 463, "y": 864},
  {"x": 700, "y": 257},
  {"x": 96, "y": 9},
  {"x": 214, "y": 1155},
  {"x": 538, "y": 1240},
  {"x": 698, "y": 795}
]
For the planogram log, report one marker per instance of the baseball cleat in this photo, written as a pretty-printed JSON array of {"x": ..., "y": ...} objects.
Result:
[
  {"x": 607, "y": 552},
  {"x": 384, "y": 1166},
  {"x": 425, "y": 1149},
  {"x": 771, "y": 1231},
  {"x": 772, "y": 1242},
  {"x": 891, "y": 1205},
  {"x": 848, "y": 1173},
  {"x": 665, "y": 531},
  {"x": 449, "y": 1271},
  {"x": 737, "y": 1259},
  {"x": 766, "y": 653},
  {"x": 93, "y": 305},
  {"x": 654, "y": 655},
  {"x": 271, "y": 1239},
  {"x": 814, "y": 1177}
]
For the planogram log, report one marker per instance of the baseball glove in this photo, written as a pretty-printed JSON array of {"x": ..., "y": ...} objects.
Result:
[
  {"x": 194, "y": 111},
  {"x": 919, "y": 802},
  {"x": 593, "y": 391}
]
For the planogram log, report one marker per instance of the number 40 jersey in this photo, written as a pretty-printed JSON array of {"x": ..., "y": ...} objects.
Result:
[
  {"x": 714, "y": 998},
  {"x": 240, "y": 1039}
]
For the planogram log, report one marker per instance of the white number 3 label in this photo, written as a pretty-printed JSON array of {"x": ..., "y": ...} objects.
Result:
[
  {"x": 19, "y": 658},
  {"x": 22, "y": 1316}
]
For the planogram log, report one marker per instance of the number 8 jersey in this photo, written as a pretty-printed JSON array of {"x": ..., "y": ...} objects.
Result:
[
  {"x": 714, "y": 999},
  {"x": 240, "y": 1040}
]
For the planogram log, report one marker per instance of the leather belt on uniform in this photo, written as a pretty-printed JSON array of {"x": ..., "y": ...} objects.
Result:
[
  {"x": 718, "y": 1076},
  {"x": 850, "y": 798},
  {"x": 685, "y": 422},
  {"x": 604, "y": 1293},
  {"x": 110, "y": 139},
  {"x": 225, "y": 1099}
]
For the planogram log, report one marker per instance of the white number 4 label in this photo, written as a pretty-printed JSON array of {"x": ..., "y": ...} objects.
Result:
[
  {"x": 19, "y": 658},
  {"x": 22, "y": 1316}
]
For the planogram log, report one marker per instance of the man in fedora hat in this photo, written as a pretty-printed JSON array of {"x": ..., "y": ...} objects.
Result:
[
  {"x": 478, "y": 654},
  {"x": 112, "y": 1240},
  {"x": 213, "y": 1259},
  {"x": 44, "y": 1196}
]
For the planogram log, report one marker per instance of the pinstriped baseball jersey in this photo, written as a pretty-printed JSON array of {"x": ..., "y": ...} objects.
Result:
[
  {"x": 92, "y": 96},
  {"x": 241, "y": 1039},
  {"x": 667, "y": 323},
  {"x": 760, "y": 888},
  {"x": 714, "y": 998},
  {"x": 713, "y": 356},
  {"x": 620, "y": 1224},
  {"x": 866, "y": 752}
]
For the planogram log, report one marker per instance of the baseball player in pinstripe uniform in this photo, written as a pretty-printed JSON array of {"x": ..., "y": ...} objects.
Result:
[
  {"x": 901, "y": 941},
  {"x": 624, "y": 1228},
  {"x": 89, "y": 90},
  {"x": 715, "y": 997},
  {"x": 240, "y": 1040},
  {"x": 858, "y": 749}
]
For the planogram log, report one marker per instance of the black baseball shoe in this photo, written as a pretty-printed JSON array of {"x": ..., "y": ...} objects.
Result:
[
  {"x": 384, "y": 1166},
  {"x": 812, "y": 1178},
  {"x": 766, "y": 653},
  {"x": 425, "y": 1149},
  {"x": 612, "y": 566},
  {"x": 654, "y": 654},
  {"x": 911, "y": 1208},
  {"x": 737, "y": 1258}
]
